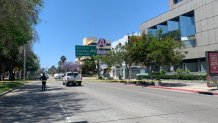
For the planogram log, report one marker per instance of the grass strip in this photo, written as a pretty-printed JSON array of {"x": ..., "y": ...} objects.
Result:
[{"x": 5, "y": 86}]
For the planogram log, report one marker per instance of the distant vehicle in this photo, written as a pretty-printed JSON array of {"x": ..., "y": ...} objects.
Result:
[
  {"x": 73, "y": 78},
  {"x": 47, "y": 76},
  {"x": 37, "y": 76},
  {"x": 58, "y": 75}
]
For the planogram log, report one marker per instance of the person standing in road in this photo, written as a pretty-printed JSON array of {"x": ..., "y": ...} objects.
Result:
[{"x": 43, "y": 79}]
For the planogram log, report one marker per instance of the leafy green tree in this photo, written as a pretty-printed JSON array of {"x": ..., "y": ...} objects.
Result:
[
  {"x": 122, "y": 54},
  {"x": 52, "y": 70},
  {"x": 89, "y": 66},
  {"x": 32, "y": 61},
  {"x": 17, "y": 20},
  {"x": 109, "y": 59},
  {"x": 119, "y": 55},
  {"x": 157, "y": 51},
  {"x": 130, "y": 53}
]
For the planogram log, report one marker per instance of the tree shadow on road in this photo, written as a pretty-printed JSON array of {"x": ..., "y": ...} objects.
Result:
[
  {"x": 80, "y": 122},
  {"x": 29, "y": 104}
]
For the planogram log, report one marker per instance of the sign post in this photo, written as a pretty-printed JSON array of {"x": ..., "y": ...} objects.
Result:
[{"x": 212, "y": 68}]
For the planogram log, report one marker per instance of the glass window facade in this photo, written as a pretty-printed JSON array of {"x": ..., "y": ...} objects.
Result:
[
  {"x": 173, "y": 25},
  {"x": 188, "y": 30},
  {"x": 177, "y": 1},
  {"x": 182, "y": 28},
  {"x": 163, "y": 28},
  {"x": 152, "y": 31},
  {"x": 187, "y": 26}
]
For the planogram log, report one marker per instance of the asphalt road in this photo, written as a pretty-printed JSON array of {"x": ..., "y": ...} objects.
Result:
[{"x": 96, "y": 102}]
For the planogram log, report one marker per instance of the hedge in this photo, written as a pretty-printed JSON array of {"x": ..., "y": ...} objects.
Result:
[{"x": 176, "y": 76}]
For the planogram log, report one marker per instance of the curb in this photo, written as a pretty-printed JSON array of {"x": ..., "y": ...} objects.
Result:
[
  {"x": 186, "y": 90},
  {"x": 8, "y": 91},
  {"x": 179, "y": 89}
]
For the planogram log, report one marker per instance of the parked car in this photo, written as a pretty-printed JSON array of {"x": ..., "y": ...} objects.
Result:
[{"x": 72, "y": 78}]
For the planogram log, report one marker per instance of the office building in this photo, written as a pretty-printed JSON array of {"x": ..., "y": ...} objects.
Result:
[{"x": 196, "y": 24}]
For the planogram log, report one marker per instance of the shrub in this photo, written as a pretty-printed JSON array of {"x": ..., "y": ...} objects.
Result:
[
  {"x": 162, "y": 72},
  {"x": 181, "y": 71},
  {"x": 100, "y": 77},
  {"x": 140, "y": 77},
  {"x": 176, "y": 76}
]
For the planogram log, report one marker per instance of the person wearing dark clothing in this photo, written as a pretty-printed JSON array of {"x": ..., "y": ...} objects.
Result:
[{"x": 43, "y": 79}]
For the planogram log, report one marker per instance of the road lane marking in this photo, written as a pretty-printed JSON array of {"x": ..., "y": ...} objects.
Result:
[
  {"x": 67, "y": 119},
  {"x": 61, "y": 106}
]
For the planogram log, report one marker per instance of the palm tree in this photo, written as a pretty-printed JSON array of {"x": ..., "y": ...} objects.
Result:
[
  {"x": 59, "y": 66},
  {"x": 63, "y": 59},
  {"x": 61, "y": 63}
]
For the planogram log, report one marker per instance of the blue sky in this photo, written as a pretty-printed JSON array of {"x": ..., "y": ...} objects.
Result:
[{"x": 64, "y": 24}]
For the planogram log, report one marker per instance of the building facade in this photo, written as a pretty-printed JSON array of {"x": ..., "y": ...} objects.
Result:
[
  {"x": 102, "y": 45},
  {"x": 93, "y": 41},
  {"x": 121, "y": 71},
  {"x": 102, "y": 49},
  {"x": 196, "y": 24}
]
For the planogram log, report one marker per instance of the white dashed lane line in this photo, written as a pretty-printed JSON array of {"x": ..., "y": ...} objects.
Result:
[{"x": 67, "y": 119}]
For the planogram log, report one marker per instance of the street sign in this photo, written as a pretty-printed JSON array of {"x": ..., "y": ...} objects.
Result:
[{"x": 85, "y": 51}]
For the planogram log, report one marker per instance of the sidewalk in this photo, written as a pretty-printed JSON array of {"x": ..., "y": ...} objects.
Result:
[{"x": 195, "y": 87}]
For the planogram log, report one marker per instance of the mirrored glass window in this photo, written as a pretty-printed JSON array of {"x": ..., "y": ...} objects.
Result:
[
  {"x": 177, "y": 1},
  {"x": 172, "y": 25},
  {"x": 152, "y": 31},
  {"x": 188, "y": 30},
  {"x": 187, "y": 25},
  {"x": 163, "y": 28}
]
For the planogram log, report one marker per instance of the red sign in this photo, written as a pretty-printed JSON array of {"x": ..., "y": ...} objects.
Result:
[
  {"x": 213, "y": 62},
  {"x": 102, "y": 42}
]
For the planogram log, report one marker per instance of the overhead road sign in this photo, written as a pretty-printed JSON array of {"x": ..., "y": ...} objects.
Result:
[{"x": 85, "y": 50}]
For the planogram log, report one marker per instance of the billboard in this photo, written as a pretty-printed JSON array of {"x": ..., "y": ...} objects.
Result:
[
  {"x": 212, "y": 63},
  {"x": 212, "y": 67}
]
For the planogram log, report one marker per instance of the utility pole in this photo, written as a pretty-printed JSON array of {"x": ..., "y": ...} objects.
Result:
[{"x": 24, "y": 62}]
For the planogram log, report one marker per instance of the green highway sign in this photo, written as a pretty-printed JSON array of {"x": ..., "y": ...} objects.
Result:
[{"x": 85, "y": 51}]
